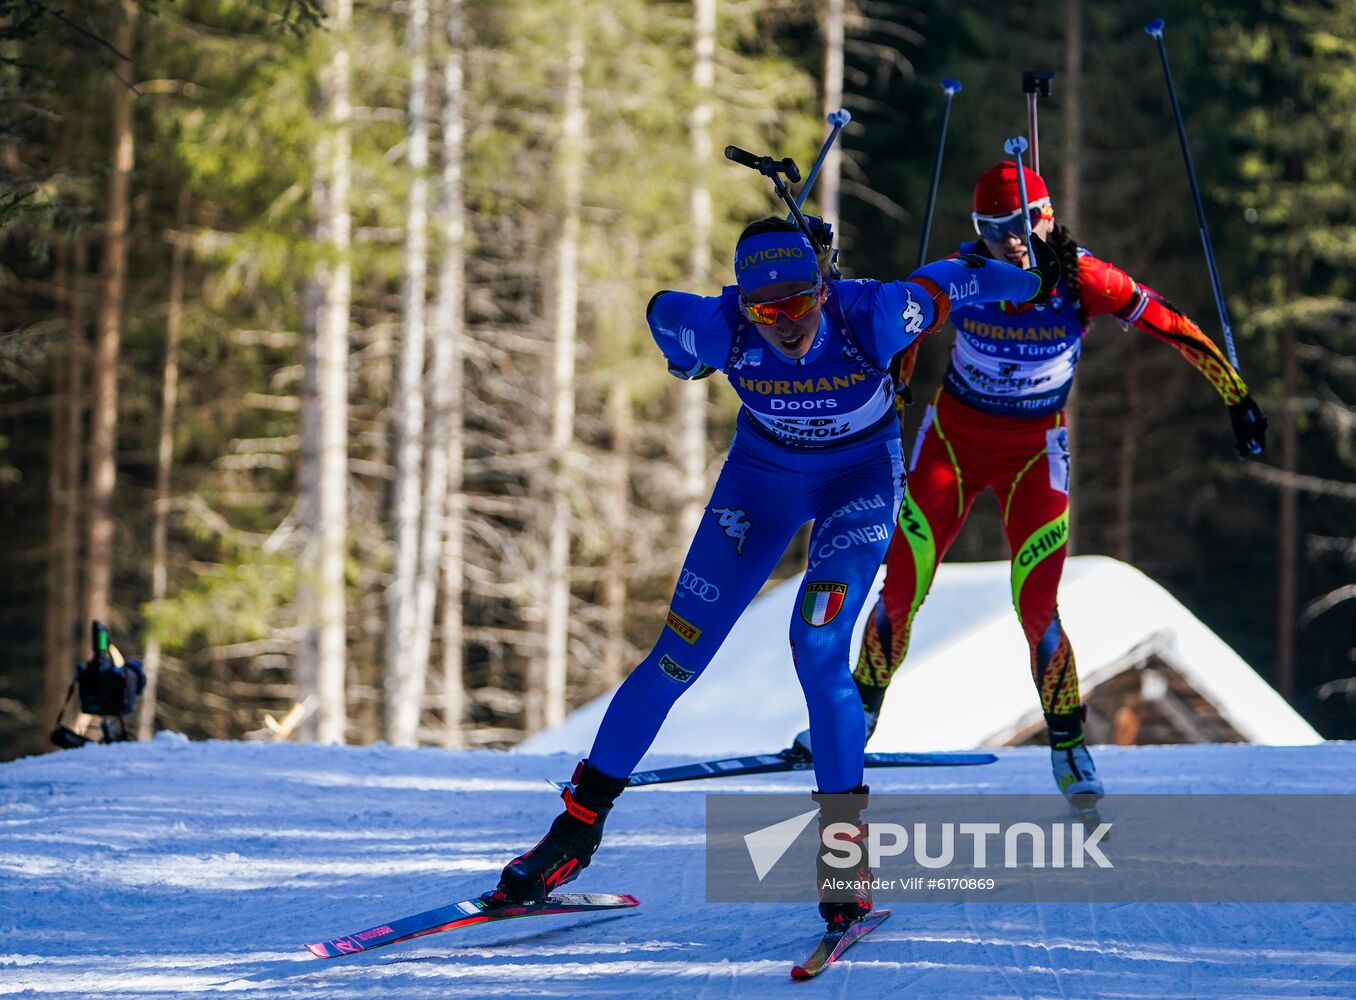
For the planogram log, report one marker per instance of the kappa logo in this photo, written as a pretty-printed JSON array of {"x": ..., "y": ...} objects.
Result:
[
  {"x": 697, "y": 587},
  {"x": 673, "y": 671},
  {"x": 912, "y": 315},
  {"x": 736, "y": 525},
  {"x": 752, "y": 357}
]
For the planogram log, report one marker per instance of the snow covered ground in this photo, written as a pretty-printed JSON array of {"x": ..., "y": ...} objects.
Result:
[{"x": 182, "y": 869}]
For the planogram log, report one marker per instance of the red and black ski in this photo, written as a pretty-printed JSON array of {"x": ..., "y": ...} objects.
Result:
[
  {"x": 464, "y": 914},
  {"x": 835, "y": 942}
]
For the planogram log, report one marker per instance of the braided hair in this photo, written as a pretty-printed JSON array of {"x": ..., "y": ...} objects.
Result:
[{"x": 1066, "y": 248}]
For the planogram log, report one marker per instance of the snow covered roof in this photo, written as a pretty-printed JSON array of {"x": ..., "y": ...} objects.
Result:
[{"x": 967, "y": 681}]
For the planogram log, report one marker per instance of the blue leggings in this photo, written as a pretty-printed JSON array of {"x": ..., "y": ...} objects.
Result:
[{"x": 765, "y": 493}]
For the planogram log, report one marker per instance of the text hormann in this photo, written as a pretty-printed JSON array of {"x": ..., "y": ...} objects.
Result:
[{"x": 782, "y": 387}]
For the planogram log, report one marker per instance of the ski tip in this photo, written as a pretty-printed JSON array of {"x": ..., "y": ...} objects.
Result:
[
  {"x": 799, "y": 972},
  {"x": 318, "y": 950}
]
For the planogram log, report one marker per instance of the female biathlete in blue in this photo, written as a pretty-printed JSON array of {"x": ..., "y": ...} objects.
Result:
[{"x": 817, "y": 440}]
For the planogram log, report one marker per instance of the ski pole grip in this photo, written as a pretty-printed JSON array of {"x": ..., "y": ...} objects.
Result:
[
  {"x": 1155, "y": 27},
  {"x": 1037, "y": 81},
  {"x": 742, "y": 156}
]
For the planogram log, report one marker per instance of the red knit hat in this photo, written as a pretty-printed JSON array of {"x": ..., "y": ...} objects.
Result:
[{"x": 996, "y": 190}]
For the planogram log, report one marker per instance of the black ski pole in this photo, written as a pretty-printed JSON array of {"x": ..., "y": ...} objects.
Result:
[
  {"x": 1035, "y": 84},
  {"x": 1154, "y": 29},
  {"x": 951, "y": 88},
  {"x": 773, "y": 170},
  {"x": 1015, "y": 147},
  {"x": 836, "y": 119}
]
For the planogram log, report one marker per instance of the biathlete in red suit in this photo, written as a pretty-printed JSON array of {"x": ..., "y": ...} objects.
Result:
[{"x": 998, "y": 423}]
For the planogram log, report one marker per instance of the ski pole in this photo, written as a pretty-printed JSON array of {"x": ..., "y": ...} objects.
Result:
[
  {"x": 1154, "y": 29},
  {"x": 1015, "y": 147},
  {"x": 773, "y": 169},
  {"x": 1035, "y": 83},
  {"x": 951, "y": 88},
  {"x": 836, "y": 119}
]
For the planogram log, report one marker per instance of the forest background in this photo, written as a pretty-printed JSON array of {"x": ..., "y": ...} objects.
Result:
[{"x": 324, "y": 375}]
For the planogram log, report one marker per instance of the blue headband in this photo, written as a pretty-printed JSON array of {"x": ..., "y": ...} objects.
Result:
[{"x": 769, "y": 257}]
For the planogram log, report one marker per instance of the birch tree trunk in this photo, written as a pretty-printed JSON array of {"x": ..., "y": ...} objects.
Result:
[
  {"x": 306, "y": 670},
  {"x": 832, "y": 172},
  {"x": 693, "y": 393},
  {"x": 1069, "y": 206},
  {"x": 618, "y": 515},
  {"x": 546, "y": 704},
  {"x": 322, "y": 659},
  {"x": 406, "y": 646},
  {"x": 169, "y": 397},
  {"x": 441, "y": 545},
  {"x": 108, "y": 328}
]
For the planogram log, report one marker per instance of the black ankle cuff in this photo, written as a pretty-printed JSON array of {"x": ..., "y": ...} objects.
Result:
[
  {"x": 843, "y": 807},
  {"x": 1065, "y": 729},
  {"x": 594, "y": 789},
  {"x": 872, "y": 697}
]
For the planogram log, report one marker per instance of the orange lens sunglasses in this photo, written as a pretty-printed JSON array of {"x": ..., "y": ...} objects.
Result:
[{"x": 792, "y": 306}]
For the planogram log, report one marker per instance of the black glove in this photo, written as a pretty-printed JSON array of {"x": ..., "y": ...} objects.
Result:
[
  {"x": 1250, "y": 427},
  {"x": 1046, "y": 267},
  {"x": 696, "y": 371}
]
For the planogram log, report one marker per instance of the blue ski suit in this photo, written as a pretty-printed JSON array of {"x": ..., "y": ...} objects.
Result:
[{"x": 817, "y": 440}]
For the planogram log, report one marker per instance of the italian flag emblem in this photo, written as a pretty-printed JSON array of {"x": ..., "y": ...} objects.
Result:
[{"x": 821, "y": 602}]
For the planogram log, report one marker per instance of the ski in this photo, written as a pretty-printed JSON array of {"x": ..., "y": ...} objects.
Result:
[
  {"x": 787, "y": 761},
  {"x": 464, "y": 914},
  {"x": 835, "y": 942},
  {"x": 1085, "y": 807}
]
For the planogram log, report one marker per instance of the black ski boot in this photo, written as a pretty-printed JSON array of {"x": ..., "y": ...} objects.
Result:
[
  {"x": 844, "y": 893},
  {"x": 872, "y": 699},
  {"x": 568, "y": 846}
]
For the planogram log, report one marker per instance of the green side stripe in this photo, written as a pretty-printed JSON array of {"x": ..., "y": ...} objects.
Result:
[
  {"x": 918, "y": 533},
  {"x": 1043, "y": 541}
]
